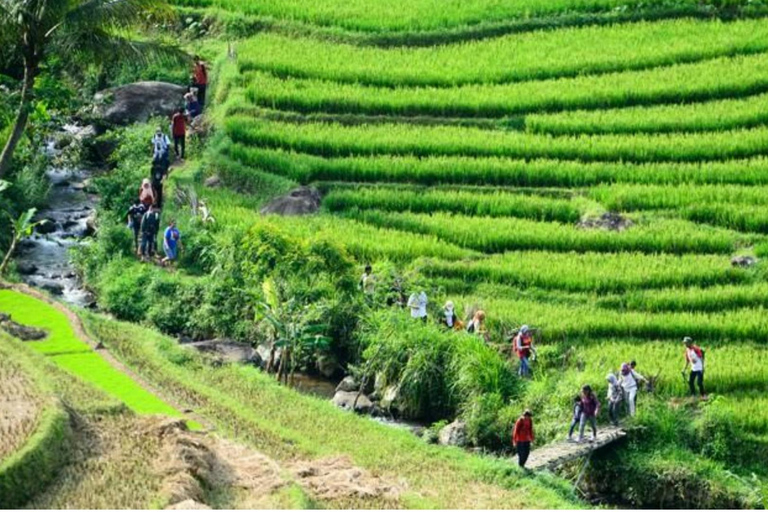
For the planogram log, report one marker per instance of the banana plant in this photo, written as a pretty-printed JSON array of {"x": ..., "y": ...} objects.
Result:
[
  {"x": 22, "y": 228},
  {"x": 292, "y": 329}
]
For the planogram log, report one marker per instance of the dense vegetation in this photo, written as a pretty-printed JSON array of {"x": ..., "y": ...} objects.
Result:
[{"x": 588, "y": 168}]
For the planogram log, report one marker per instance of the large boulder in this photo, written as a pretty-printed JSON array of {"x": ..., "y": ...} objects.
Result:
[
  {"x": 348, "y": 384},
  {"x": 137, "y": 102},
  {"x": 453, "y": 434},
  {"x": 225, "y": 350},
  {"x": 346, "y": 400},
  {"x": 301, "y": 201}
]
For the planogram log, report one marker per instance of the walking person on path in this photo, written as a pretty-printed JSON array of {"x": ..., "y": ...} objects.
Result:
[
  {"x": 368, "y": 282},
  {"x": 523, "y": 436},
  {"x": 179, "y": 132},
  {"x": 576, "y": 420},
  {"x": 694, "y": 357},
  {"x": 146, "y": 194},
  {"x": 450, "y": 319},
  {"x": 523, "y": 345},
  {"x": 629, "y": 380},
  {"x": 201, "y": 80},
  {"x": 615, "y": 396},
  {"x": 477, "y": 325},
  {"x": 161, "y": 147},
  {"x": 158, "y": 173},
  {"x": 135, "y": 214},
  {"x": 150, "y": 225},
  {"x": 590, "y": 408},
  {"x": 192, "y": 105},
  {"x": 418, "y": 305},
  {"x": 171, "y": 243}
]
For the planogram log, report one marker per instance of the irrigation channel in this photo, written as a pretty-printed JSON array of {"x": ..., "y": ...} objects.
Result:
[{"x": 44, "y": 259}]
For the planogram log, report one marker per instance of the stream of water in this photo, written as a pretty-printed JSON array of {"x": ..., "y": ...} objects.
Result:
[{"x": 44, "y": 258}]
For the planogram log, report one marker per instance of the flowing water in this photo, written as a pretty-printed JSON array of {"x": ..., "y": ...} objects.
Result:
[{"x": 44, "y": 258}]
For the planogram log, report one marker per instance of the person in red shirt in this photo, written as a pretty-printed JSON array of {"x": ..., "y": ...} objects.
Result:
[
  {"x": 200, "y": 76},
  {"x": 523, "y": 346},
  {"x": 179, "y": 132},
  {"x": 523, "y": 436}
]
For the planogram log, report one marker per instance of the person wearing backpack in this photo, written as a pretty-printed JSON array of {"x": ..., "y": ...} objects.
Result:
[
  {"x": 135, "y": 214},
  {"x": 576, "y": 416},
  {"x": 523, "y": 345},
  {"x": 615, "y": 396},
  {"x": 161, "y": 147},
  {"x": 523, "y": 436},
  {"x": 200, "y": 76},
  {"x": 629, "y": 380},
  {"x": 158, "y": 173},
  {"x": 694, "y": 357},
  {"x": 150, "y": 225}
]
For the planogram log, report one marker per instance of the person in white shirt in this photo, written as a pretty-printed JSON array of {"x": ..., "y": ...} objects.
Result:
[
  {"x": 417, "y": 303},
  {"x": 629, "y": 380},
  {"x": 694, "y": 357},
  {"x": 615, "y": 396},
  {"x": 161, "y": 146},
  {"x": 368, "y": 281}
]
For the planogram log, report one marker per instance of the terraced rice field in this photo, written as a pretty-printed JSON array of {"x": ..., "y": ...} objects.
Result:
[{"x": 487, "y": 164}]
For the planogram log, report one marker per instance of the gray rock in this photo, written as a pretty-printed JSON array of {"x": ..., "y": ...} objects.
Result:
[
  {"x": 453, "y": 434},
  {"x": 26, "y": 269},
  {"x": 224, "y": 350},
  {"x": 348, "y": 384},
  {"x": 137, "y": 102},
  {"x": 23, "y": 332},
  {"x": 53, "y": 288},
  {"x": 327, "y": 366},
  {"x": 743, "y": 261},
  {"x": 346, "y": 400},
  {"x": 302, "y": 201},
  {"x": 262, "y": 354},
  {"x": 47, "y": 227},
  {"x": 212, "y": 181}
]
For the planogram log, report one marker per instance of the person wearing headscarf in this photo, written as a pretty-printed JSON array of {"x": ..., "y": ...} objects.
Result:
[
  {"x": 615, "y": 396},
  {"x": 629, "y": 380},
  {"x": 523, "y": 345},
  {"x": 146, "y": 194}
]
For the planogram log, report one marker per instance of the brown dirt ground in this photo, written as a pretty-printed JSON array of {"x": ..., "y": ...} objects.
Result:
[{"x": 20, "y": 409}]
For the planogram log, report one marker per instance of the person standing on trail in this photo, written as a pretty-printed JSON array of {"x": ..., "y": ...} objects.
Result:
[
  {"x": 615, "y": 396},
  {"x": 576, "y": 420},
  {"x": 450, "y": 319},
  {"x": 200, "y": 76},
  {"x": 418, "y": 305},
  {"x": 146, "y": 194},
  {"x": 161, "y": 147},
  {"x": 523, "y": 436},
  {"x": 629, "y": 380},
  {"x": 523, "y": 346},
  {"x": 135, "y": 214},
  {"x": 191, "y": 105},
  {"x": 477, "y": 325},
  {"x": 368, "y": 282},
  {"x": 158, "y": 172},
  {"x": 694, "y": 357},
  {"x": 150, "y": 225},
  {"x": 179, "y": 132},
  {"x": 590, "y": 408},
  {"x": 171, "y": 243}
]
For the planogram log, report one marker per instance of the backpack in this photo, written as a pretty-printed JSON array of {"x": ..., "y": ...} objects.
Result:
[
  {"x": 137, "y": 212},
  {"x": 699, "y": 351}
]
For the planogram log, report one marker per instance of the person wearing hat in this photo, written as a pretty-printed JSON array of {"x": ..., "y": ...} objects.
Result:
[
  {"x": 523, "y": 436},
  {"x": 450, "y": 319},
  {"x": 694, "y": 357},
  {"x": 523, "y": 346}
]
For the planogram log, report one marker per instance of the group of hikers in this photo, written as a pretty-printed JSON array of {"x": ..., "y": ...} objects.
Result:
[
  {"x": 521, "y": 342},
  {"x": 621, "y": 389},
  {"x": 144, "y": 214}
]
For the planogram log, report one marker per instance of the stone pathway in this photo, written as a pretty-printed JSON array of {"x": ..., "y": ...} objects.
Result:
[{"x": 559, "y": 452}]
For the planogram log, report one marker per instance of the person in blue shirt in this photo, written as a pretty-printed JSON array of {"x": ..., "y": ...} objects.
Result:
[{"x": 171, "y": 243}]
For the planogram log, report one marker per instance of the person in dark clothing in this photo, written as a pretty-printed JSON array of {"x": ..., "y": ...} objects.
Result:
[
  {"x": 135, "y": 214},
  {"x": 150, "y": 225},
  {"x": 590, "y": 408},
  {"x": 159, "y": 170},
  {"x": 179, "y": 132},
  {"x": 523, "y": 436}
]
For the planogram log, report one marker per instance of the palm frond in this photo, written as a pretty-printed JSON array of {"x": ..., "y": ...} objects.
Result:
[
  {"x": 116, "y": 13},
  {"x": 102, "y": 45}
]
